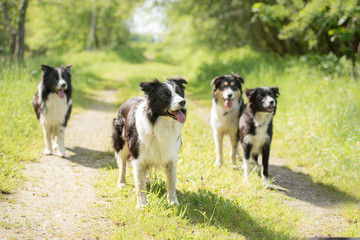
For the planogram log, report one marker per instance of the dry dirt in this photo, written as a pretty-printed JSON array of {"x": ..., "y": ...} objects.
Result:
[{"x": 58, "y": 200}]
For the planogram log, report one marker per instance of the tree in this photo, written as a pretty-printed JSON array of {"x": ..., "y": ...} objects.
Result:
[
  {"x": 16, "y": 36},
  {"x": 21, "y": 29},
  {"x": 92, "y": 34}
]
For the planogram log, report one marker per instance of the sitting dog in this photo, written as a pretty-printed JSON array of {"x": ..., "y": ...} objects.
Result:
[
  {"x": 227, "y": 105},
  {"x": 52, "y": 104},
  {"x": 256, "y": 128},
  {"x": 147, "y": 131}
]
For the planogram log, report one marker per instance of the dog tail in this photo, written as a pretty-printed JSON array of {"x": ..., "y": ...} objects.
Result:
[{"x": 117, "y": 137}]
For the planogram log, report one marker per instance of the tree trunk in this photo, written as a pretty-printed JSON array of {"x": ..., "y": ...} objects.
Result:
[
  {"x": 12, "y": 31},
  {"x": 21, "y": 30},
  {"x": 92, "y": 34}
]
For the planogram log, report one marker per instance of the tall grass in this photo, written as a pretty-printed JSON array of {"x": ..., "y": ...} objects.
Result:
[{"x": 19, "y": 138}]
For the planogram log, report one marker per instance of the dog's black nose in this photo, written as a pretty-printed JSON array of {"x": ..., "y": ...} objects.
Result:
[
  {"x": 272, "y": 102},
  {"x": 182, "y": 103},
  {"x": 63, "y": 85},
  {"x": 229, "y": 95}
]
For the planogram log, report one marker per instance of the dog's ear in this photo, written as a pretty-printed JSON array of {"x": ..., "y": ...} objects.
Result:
[
  {"x": 179, "y": 81},
  {"x": 238, "y": 78},
  {"x": 275, "y": 90},
  {"x": 46, "y": 68},
  {"x": 249, "y": 93},
  {"x": 148, "y": 86},
  {"x": 67, "y": 67},
  {"x": 216, "y": 81}
]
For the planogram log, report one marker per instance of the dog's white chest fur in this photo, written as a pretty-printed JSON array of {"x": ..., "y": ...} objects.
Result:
[
  {"x": 222, "y": 119},
  {"x": 262, "y": 121},
  {"x": 54, "y": 111},
  {"x": 159, "y": 143}
]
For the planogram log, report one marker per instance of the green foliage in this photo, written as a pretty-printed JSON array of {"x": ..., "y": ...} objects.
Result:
[
  {"x": 324, "y": 26},
  {"x": 284, "y": 27},
  {"x": 61, "y": 30}
]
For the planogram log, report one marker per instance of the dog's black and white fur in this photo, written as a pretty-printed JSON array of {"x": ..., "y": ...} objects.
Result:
[
  {"x": 52, "y": 104},
  {"x": 227, "y": 104},
  {"x": 147, "y": 131},
  {"x": 256, "y": 127}
]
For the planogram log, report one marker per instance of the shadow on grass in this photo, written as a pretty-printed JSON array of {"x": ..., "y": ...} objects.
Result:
[
  {"x": 207, "y": 208},
  {"x": 89, "y": 157},
  {"x": 301, "y": 187}
]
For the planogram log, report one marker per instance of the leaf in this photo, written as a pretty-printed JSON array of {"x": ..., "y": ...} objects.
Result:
[
  {"x": 256, "y": 7},
  {"x": 342, "y": 20}
]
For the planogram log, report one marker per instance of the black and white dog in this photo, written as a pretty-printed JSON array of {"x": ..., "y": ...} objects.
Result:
[
  {"x": 256, "y": 128},
  {"x": 52, "y": 104},
  {"x": 227, "y": 105},
  {"x": 147, "y": 131}
]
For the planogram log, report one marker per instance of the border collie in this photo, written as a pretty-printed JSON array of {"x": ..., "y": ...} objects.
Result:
[
  {"x": 227, "y": 103},
  {"x": 52, "y": 104},
  {"x": 256, "y": 128},
  {"x": 147, "y": 131}
]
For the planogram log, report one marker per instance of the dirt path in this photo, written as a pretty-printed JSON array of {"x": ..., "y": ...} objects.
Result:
[
  {"x": 58, "y": 200},
  {"x": 317, "y": 202}
]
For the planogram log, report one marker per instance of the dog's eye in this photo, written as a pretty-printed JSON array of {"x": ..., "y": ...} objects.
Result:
[{"x": 166, "y": 96}]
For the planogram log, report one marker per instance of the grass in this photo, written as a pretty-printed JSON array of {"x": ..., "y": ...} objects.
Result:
[
  {"x": 316, "y": 129},
  {"x": 19, "y": 140}
]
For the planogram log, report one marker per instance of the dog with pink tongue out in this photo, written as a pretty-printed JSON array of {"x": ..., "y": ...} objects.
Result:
[
  {"x": 227, "y": 105},
  {"x": 147, "y": 133},
  {"x": 52, "y": 104}
]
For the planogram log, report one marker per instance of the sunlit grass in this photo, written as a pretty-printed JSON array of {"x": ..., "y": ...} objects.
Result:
[{"x": 18, "y": 124}]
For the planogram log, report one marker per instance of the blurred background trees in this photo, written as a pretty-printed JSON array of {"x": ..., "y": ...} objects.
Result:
[
  {"x": 328, "y": 28},
  {"x": 65, "y": 25},
  {"x": 14, "y": 13},
  {"x": 282, "y": 26}
]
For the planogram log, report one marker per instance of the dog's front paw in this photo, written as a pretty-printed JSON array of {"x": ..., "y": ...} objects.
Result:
[
  {"x": 121, "y": 185},
  {"x": 266, "y": 183},
  {"x": 47, "y": 152},
  {"x": 61, "y": 152},
  {"x": 218, "y": 164},
  {"x": 55, "y": 146},
  {"x": 140, "y": 206},
  {"x": 174, "y": 202}
]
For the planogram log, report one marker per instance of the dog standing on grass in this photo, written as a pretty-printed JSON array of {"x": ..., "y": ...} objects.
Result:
[
  {"x": 147, "y": 132},
  {"x": 52, "y": 104},
  {"x": 256, "y": 127},
  {"x": 227, "y": 104}
]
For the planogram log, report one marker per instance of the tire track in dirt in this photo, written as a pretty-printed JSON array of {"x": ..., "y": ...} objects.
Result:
[{"x": 58, "y": 199}]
